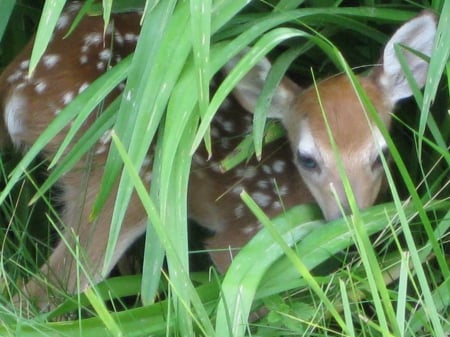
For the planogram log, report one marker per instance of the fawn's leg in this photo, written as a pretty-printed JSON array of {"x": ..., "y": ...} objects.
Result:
[{"x": 77, "y": 260}]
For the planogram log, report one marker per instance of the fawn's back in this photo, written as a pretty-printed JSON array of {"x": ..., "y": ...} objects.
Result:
[{"x": 302, "y": 168}]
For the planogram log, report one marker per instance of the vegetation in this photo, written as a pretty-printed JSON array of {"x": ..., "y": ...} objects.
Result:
[{"x": 382, "y": 272}]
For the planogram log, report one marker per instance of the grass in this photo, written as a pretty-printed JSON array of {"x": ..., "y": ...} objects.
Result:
[{"x": 382, "y": 272}]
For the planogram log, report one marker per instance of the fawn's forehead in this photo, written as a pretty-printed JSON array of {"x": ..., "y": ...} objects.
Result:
[{"x": 335, "y": 100}]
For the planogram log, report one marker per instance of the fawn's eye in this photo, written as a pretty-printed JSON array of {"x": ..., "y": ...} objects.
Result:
[
  {"x": 306, "y": 161},
  {"x": 377, "y": 163}
]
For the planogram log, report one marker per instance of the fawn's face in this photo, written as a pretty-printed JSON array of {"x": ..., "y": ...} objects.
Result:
[
  {"x": 333, "y": 107},
  {"x": 331, "y": 113}
]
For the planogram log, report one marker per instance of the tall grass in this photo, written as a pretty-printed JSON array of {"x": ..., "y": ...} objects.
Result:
[{"x": 382, "y": 272}]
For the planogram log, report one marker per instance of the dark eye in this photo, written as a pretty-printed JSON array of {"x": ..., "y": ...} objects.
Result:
[
  {"x": 306, "y": 161},
  {"x": 377, "y": 162}
]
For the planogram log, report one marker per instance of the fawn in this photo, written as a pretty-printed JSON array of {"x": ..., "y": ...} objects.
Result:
[{"x": 304, "y": 169}]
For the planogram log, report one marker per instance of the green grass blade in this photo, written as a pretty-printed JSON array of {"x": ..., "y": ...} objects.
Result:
[
  {"x": 49, "y": 18},
  {"x": 299, "y": 265},
  {"x": 166, "y": 238},
  {"x": 85, "y": 144},
  {"x": 136, "y": 120},
  {"x": 439, "y": 59},
  {"x": 346, "y": 308},
  {"x": 6, "y": 8},
  {"x": 200, "y": 14},
  {"x": 402, "y": 293},
  {"x": 261, "y": 48},
  {"x": 103, "y": 313}
]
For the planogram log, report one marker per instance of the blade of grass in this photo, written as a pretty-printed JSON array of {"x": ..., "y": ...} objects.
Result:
[
  {"x": 380, "y": 295},
  {"x": 243, "y": 276},
  {"x": 135, "y": 118},
  {"x": 261, "y": 48},
  {"x": 346, "y": 309},
  {"x": 50, "y": 15},
  {"x": 165, "y": 236},
  {"x": 103, "y": 313},
  {"x": 273, "y": 80},
  {"x": 299, "y": 265},
  {"x": 6, "y": 8},
  {"x": 402, "y": 293},
  {"x": 86, "y": 142},
  {"x": 439, "y": 59},
  {"x": 200, "y": 14}
]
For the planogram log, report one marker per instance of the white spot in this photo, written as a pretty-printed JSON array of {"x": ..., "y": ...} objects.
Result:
[
  {"x": 237, "y": 189},
  {"x": 267, "y": 169},
  {"x": 50, "y": 60},
  {"x": 62, "y": 22},
  {"x": 105, "y": 55},
  {"x": 276, "y": 205},
  {"x": 283, "y": 190},
  {"x": 145, "y": 172},
  {"x": 93, "y": 39},
  {"x": 249, "y": 229},
  {"x": 147, "y": 161},
  {"x": 68, "y": 97},
  {"x": 106, "y": 137},
  {"x": 15, "y": 76},
  {"x": 148, "y": 177},
  {"x": 250, "y": 172},
  {"x": 263, "y": 184},
  {"x": 24, "y": 64},
  {"x": 83, "y": 87},
  {"x": 228, "y": 126},
  {"x": 83, "y": 59},
  {"x": 101, "y": 149},
  {"x": 74, "y": 6},
  {"x": 262, "y": 199},
  {"x": 40, "y": 87},
  {"x": 131, "y": 37},
  {"x": 121, "y": 86},
  {"x": 101, "y": 66},
  {"x": 216, "y": 167},
  {"x": 199, "y": 160},
  {"x": 13, "y": 109},
  {"x": 279, "y": 166},
  {"x": 239, "y": 211},
  {"x": 118, "y": 38}
]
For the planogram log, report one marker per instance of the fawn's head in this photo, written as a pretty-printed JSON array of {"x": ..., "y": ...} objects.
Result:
[{"x": 306, "y": 113}]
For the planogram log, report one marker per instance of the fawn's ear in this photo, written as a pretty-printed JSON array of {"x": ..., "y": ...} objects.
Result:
[
  {"x": 249, "y": 88},
  {"x": 417, "y": 34}
]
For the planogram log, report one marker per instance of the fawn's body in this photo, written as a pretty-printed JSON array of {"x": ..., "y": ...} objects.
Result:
[{"x": 70, "y": 65}]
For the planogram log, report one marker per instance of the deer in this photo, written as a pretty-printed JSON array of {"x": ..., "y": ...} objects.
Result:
[{"x": 302, "y": 166}]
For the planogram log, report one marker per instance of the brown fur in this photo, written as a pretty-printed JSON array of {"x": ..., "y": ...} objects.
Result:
[{"x": 214, "y": 200}]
